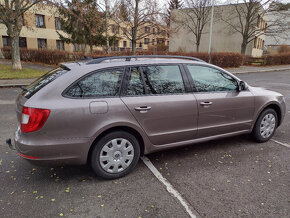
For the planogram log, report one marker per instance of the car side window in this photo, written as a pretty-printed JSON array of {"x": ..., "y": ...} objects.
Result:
[
  {"x": 102, "y": 83},
  {"x": 207, "y": 79},
  {"x": 135, "y": 82},
  {"x": 163, "y": 79}
]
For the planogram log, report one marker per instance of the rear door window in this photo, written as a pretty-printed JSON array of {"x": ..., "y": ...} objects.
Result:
[
  {"x": 38, "y": 84},
  {"x": 104, "y": 83},
  {"x": 155, "y": 80}
]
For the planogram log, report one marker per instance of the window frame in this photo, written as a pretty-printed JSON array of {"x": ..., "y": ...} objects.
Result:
[
  {"x": 37, "y": 20},
  {"x": 57, "y": 42},
  {"x": 38, "y": 43},
  {"x": 120, "y": 68},
  {"x": 192, "y": 83},
  {"x": 125, "y": 83}
]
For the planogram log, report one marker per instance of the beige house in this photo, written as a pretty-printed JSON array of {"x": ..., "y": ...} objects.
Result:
[
  {"x": 224, "y": 39},
  {"x": 41, "y": 24}
]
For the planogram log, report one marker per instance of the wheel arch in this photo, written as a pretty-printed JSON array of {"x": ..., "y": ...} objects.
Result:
[
  {"x": 118, "y": 128},
  {"x": 275, "y": 107}
]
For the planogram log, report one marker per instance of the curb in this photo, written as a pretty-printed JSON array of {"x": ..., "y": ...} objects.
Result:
[
  {"x": 12, "y": 85},
  {"x": 261, "y": 71}
]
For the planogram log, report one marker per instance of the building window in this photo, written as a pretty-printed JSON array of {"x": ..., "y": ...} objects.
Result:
[
  {"x": 57, "y": 23},
  {"x": 39, "y": 21},
  {"x": 146, "y": 40},
  {"x": 79, "y": 47},
  {"x": 115, "y": 29},
  {"x": 22, "y": 42},
  {"x": 160, "y": 41},
  {"x": 153, "y": 30},
  {"x": 124, "y": 44},
  {"x": 59, "y": 45},
  {"x": 153, "y": 41},
  {"x": 147, "y": 29},
  {"x": 41, "y": 43},
  {"x": 6, "y": 41}
]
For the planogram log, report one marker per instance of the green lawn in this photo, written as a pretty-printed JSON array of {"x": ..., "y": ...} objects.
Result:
[{"x": 6, "y": 72}]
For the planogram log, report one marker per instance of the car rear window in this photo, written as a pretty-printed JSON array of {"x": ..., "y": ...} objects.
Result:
[{"x": 42, "y": 81}]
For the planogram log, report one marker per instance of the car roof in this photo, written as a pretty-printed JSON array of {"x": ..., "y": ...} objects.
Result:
[{"x": 86, "y": 66}]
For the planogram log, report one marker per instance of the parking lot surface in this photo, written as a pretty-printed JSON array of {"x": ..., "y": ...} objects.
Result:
[{"x": 233, "y": 177}]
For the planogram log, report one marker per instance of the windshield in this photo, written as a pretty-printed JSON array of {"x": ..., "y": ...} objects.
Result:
[{"x": 38, "y": 84}]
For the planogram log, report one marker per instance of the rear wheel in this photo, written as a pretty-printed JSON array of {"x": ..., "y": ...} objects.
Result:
[
  {"x": 265, "y": 125},
  {"x": 115, "y": 155}
]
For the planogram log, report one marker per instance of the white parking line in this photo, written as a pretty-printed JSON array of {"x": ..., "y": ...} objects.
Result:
[
  {"x": 169, "y": 187},
  {"x": 281, "y": 143}
]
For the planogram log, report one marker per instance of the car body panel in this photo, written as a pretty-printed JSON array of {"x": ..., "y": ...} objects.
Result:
[
  {"x": 229, "y": 112},
  {"x": 172, "y": 118}
]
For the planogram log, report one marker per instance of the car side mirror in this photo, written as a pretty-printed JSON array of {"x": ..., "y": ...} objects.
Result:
[{"x": 241, "y": 86}]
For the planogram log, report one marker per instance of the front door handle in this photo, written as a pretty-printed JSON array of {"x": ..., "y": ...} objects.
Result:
[
  {"x": 205, "y": 103},
  {"x": 142, "y": 108}
]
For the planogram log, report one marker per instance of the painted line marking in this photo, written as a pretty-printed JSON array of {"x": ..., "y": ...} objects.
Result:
[
  {"x": 6, "y": 102},
  {"x": 168, "y": 186},
  {"x": 281, "y": 143}
]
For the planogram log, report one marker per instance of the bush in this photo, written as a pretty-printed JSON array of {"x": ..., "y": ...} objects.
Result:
[
  {"x": 222, "y": 59},
  {"x": 283, "y": 58}
]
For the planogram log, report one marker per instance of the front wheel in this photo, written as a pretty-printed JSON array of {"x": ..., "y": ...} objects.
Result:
[
  {"x": 115, "y": 155},
  {"x": 265, "y": 126}
]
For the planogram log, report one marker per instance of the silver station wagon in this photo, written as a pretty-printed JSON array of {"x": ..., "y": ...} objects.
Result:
[{"x": 108, "y": 111}]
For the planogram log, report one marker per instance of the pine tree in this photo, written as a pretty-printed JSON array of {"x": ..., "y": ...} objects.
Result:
[{"x": 173, "y": 4}]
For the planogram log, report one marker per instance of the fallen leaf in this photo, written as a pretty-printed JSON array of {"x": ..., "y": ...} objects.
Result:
[
  {"x": 52, "y": 199},
  {"x": 61, "y": 214},
  {"x": 152, "y": 206},
  {"x": 102, "y": 205},
  {"x": 99, "y": 196},
  {"x": 34, "y": 192},
  {"x": 228, "y": 181}
]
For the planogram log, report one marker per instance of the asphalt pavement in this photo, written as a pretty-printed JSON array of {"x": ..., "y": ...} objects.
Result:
[{"x": 233, "y": 177}]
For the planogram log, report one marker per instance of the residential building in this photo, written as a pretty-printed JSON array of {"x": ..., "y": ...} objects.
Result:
[
  {"x": 39, "y": 30},
  {"x": 281, "y": 34},
  {"x": 224, "y": 38},
  {"x": 42, "y": 24}
]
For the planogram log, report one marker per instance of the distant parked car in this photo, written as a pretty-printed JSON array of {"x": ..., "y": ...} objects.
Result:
[{"x": 109, "y": 111}]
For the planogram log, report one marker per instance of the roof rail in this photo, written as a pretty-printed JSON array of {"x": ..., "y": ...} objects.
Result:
[{"x": 128, "y": 58}]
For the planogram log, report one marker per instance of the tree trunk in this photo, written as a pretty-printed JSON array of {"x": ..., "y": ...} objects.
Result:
[
  {"x": 197, "y": 47},
  {"x": 15, "y": 53},
  {"x": 243, "y": 47},
  {"x": 1, "y": 54},
  {"x": 133, "y": 47}
]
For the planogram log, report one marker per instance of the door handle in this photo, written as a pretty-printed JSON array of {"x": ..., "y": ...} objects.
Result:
[
  {"x": 205, "y": 103},
  {"x": 142, "y": 108}
]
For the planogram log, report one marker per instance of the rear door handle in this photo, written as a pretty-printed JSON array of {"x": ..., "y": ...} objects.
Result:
[
  {"x": 205, "y": 103},
  {"x": 142, "y": 108}
]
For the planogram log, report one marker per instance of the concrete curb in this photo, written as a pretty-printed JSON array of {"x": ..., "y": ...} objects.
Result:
[
  {"x": 12, "y": 85},
  {"x": 261, "y": 71}
]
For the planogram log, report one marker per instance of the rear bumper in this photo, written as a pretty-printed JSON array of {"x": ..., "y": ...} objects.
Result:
[{"x": 41, "y": 150}]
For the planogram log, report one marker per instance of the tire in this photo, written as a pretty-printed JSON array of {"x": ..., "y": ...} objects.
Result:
[
  {"x": 269, "y": 120},
  {"x": 115, "y": 155}
]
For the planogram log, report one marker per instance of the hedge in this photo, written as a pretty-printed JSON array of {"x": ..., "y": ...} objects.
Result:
[
  {"x": 283, "y": 58},
  {"x": 54, "y": 57}
]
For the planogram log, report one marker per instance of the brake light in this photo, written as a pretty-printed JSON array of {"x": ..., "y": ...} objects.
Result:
[{"x": 33, "y": 119}]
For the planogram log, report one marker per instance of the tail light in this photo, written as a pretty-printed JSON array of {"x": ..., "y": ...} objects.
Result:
[{"x": 33, "y": 119}]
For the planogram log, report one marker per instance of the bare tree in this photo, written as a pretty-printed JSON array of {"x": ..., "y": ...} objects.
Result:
[
  {"x": 140, "y": 13},
  {"x": 194, "y": 17},
  {"x": 248, "y": 18},
  {"x": 11, "y": 15}
]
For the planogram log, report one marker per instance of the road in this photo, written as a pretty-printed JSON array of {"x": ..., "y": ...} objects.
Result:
[{"x": 233, "y": 177}]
